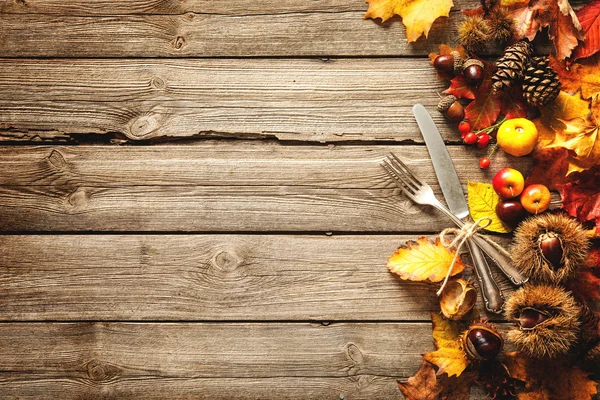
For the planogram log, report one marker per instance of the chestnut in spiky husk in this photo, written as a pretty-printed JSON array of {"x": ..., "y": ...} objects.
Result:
[
  {"x": 547, "y": 319},
  {"x": 549, "y": 248},
  {"x": 482, "y": 341}
]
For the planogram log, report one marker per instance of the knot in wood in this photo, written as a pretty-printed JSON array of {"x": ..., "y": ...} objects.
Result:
[
  {"x": 227, "y": 261},
  {"x": 99, "y": 371},
  {"x": 354, "y": 353},
  {"x": 56, "y": 160},
  {"x": 78, "y": 199},
  {"x": 143, "y": 126},
  {"x": 158, "y": 83},
  {"x": 178, "y": 42}
]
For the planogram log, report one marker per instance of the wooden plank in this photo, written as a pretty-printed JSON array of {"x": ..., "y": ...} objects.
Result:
[
  {"x": 220, "y": 187},
  {"x": 207, "y": 277},
  {"x": 267, "y": 28},
  {"x": 298, "y": 100},
  {"x": 216, "y": 361}
]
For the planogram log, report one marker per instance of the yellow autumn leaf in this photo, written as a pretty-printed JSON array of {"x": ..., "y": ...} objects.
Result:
[
  {"x": 482, "y": 204},
  {"x": 417, "y": 15},
  {"x": 449, "y": 356},
  {"x": 424, "y": 260}
]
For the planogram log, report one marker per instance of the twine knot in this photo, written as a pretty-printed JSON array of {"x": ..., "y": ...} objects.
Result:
[{"x": 460, "y": 238}]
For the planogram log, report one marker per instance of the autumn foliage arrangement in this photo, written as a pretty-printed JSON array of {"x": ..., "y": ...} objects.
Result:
[{"x": 525, "y": 102}]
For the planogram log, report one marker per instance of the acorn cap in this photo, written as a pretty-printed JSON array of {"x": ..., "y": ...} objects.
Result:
[
  {"x": 558, "y": 329},
  {"x": 458, "y": 61},
  {"x": 445, "y": 103},
  {"x": 472, "y": 61}
]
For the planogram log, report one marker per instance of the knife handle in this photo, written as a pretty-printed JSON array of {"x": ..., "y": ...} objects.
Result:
[
  {"x": 502, "y": 260},
  {"x": 492, "y": 296}
]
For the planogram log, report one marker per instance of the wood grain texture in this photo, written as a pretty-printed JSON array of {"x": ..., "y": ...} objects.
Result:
[
  {"x": 216, "y": 361},
  {"x": 219, "y": 187},
  {"x": 207, "y": 277},
  {"x": 207, "y": 29},
  {"x": 141, "y": 100}
]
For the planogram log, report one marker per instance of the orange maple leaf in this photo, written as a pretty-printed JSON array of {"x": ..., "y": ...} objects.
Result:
[
  {"x": 449, "y": 357},
  {"x": 555, "y": 380},
  {"x": 424, "y": 260},
  {"x": 583, "y": 75},
  {"x": 417, "y": 15}
]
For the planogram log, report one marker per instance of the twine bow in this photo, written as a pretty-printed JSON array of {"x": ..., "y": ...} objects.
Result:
[{"x": 460, "y": 237}]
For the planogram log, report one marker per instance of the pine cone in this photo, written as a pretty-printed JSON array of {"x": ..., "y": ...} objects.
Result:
[
  {"x": 540, "y": 83},
  {"x": 511, "y": 65}
]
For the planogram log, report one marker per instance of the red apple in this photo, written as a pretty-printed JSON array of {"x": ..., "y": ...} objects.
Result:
[
  {"x": 510, "y": 212},
  {"x": 508, "y": 183},
  {"x": 536, "y": 198}
]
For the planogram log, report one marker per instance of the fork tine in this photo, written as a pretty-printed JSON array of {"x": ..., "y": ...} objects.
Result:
[
  {"x": 403, "y": 174},
  {"x": 407, "y": 170},
  {"x": 399, "y": 178}
]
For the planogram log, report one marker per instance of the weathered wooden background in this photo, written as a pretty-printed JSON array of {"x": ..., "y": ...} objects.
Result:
[{"x": 191, "y": 204}]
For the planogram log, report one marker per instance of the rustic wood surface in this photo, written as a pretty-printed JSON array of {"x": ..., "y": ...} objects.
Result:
[{"x": 191, "y": 203}]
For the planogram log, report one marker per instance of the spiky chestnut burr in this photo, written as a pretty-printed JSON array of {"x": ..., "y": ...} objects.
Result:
[
  {"x": 549, "y": 248},
  {"x": 547, "y": 320}
]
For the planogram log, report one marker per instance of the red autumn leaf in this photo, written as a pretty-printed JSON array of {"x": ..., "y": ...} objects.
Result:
[
  {"x": 585, "y": 286},
  {"x": 485, "y": 109},
  {"x": 581, "y": 197},
  {"x": 460, "y": 89},
  {"x": 589, "y": 17},
  {"x": 513, "y": 105},
  {"x": 550, "y": 169}
]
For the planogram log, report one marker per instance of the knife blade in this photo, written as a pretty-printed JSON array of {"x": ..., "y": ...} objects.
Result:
[
  {"x": 455, "y": 198},
  {"x": 453, "y": 193}
]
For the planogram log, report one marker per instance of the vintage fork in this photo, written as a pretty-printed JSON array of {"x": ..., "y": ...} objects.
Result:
[{"x": 421, "y": 193}]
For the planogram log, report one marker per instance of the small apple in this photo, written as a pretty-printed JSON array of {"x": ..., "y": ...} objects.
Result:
[
  {"x": 508, "y": 183},
  {"x": 510, "y": 212},
  {"x": 517, "y": 137},
  {"x": 536, "y": 198}
]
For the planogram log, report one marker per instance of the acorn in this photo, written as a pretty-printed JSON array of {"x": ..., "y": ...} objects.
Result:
[
  {"x": 547, "y": 320},
  {"x": 451, "y": 108},
  {"x": 473, "y": 72},
  {"x": 549, "y": 248},
  {"x": 482, "y": 342},
  {"x": 450, "y": 64}
]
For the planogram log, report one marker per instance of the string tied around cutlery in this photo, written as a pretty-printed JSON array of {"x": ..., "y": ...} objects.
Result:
[{"x": 460, "y": 237}]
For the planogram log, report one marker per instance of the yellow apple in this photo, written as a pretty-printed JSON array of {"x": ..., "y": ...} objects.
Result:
[{"x": 518, "y": 136}]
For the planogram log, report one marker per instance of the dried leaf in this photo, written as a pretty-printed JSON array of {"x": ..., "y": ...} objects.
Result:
[
  {"x": 555, "y": 380},
  {"x": 581, "y": 197},
  {"x": 457, "y": 299},
  {"x": 513, "y": 104},
  {"x": 496, "y": 381},
  {"x": 589, "y": 17},
  {"x": 417, "y": 15},
  {"x": 583, "y": 75},
  {"x": 423, "y": 385},
  {"x": 482, "y": 203},
  {"x": 457, "y": 387},
  {"x": 449, "y": 357},
  {"x": 563, "y": 26},
  {"x": 424, "y": 260},
  {"x": 460, "y": 89}
]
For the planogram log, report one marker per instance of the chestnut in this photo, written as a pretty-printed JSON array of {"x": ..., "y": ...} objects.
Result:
[
  {"x": 482, "y": 342},
  {"x": 551, "y": 248},
  {"x": 530, "y": 318}
]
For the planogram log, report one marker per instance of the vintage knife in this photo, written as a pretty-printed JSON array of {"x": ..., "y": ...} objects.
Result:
[{"x": 454, "y": 195}]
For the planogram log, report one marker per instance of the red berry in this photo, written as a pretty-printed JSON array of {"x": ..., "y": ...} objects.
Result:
[
  {"x": 484, "y": 163},
  {"x": 483, "y": 140},
  {"x": 464, "y": 127},
  {"x": 470, "y": 138}
]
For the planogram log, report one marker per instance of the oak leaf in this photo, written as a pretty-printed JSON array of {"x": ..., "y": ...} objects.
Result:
[
  {"x": 563, "y": 26},
  {"x": 555, "y": 380},
  {"x": 449, "y": 356},
  {"x": 424, "y": 260},
  {"x": 482, "y": 204},
  {"x": 583, "y": 75},
  {"x": 417, "y": 15},
  {"x": 589, "y": 17}
]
